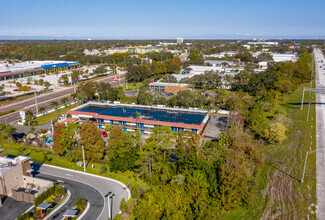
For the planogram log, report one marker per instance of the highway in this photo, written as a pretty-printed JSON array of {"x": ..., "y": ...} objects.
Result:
[
  {"x": 320, "y": 135},
  {"x": 45, "y": 101},
  {"x": 92, "y": 187}
]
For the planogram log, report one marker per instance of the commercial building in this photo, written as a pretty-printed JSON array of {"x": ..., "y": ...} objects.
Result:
[
  {"x": 264, "y": 43},
  {"x": 143, "y": 118},
  {"x": 280, "y": 57},
  {"x": 168, "y": 87},
  {"x": 30, "y": 68},
  {"x": 16, "y": 179}
]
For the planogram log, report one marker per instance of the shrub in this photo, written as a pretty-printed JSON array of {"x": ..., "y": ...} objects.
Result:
[
  {"x": 103, "y": 169},
  {"x": 60, "y": 190},
  {"x": 50, "y": 199},
  {"x": 80, "y": 204},
  {"x": 44, "y": 195},
  {"x": 123, "y": 206},
  {"x": 25, "y": 216},
  {"x": 134, "y": 193}
]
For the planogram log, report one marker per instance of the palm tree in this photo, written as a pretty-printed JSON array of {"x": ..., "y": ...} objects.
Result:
[
  {"x": 64, "y": 101},
  {"x": 74, "y": 96},
  {"x": 41, "y": 109},
  {"x": 55, "y": 105},
  {"x": 8, "y": 130},
  {"x": 29, "y": 117}
]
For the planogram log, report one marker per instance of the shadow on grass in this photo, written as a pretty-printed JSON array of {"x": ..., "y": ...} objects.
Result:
[
  {"x": 297, "y": 105},
  {"x": 289, "y": 175}
]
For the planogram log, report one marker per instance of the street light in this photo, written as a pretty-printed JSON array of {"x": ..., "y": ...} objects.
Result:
[
  {"x": 308, "y": 153},
  {"x": 110, "y": 203}
]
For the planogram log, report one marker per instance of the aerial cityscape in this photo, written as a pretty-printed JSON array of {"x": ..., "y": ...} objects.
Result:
[{"x": 162, "y": 110}]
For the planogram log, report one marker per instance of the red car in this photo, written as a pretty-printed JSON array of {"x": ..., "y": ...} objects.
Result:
[
  {"x": 42, "y": 75},
  {"x": 16, "y": 90},
  {"x": 104, "y": 134}
]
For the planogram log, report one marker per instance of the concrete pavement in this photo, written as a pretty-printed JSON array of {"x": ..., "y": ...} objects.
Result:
[{"x": 320, "y": 136}]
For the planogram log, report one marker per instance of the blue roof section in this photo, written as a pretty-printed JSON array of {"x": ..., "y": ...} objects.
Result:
[
  {"x": 146, "y": 114},
  {"x": 55, "y": 65}
]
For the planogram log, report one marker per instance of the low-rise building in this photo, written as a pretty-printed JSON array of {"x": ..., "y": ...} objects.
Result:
[
  {"x": 168, "y": 87},
  {"x": 219, "y": 62},
  {"x": 30, "y": 68},
  {"x": 16, "y": 179},
  {"x": 141, "y": 117}
]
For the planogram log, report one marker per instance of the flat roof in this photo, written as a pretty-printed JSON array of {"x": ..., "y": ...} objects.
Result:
[
  {"x": 171, "y": 115},
  {"x": 168, "y": 84},
  {"x": 70, "y": 213},
  {"x": 44, "y": 205}
]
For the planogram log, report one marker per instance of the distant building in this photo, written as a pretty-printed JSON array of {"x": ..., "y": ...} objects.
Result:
[
  {"x": 179, "y": 40},
  {"x": 168, "y": 87},
  {"x": 218, "y": 62},
  {"x": 222, "y": 54},
  {"x": 262, "y": 65},
  {"x": 264, "y": 43},
  {"x": 16, "y": 179},
  {"x": 248, "y": 47},
  {"x": 31, "y": 68},
  {"x": 284, "y": 57}
]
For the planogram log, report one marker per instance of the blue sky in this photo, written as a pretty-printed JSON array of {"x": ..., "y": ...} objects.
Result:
[{"x": 164, "y": 19}]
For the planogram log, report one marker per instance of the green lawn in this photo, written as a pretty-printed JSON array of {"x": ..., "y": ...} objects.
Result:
[
  {"x": 52, "y": 116},
  {"x": 37, "y": 154},
  {"x": 131, "y": 86}
]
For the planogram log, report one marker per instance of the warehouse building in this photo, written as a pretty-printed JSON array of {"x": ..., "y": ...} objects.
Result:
[
  {"x": 143, "y": 118},
  {"x": 31, "y": 68}
]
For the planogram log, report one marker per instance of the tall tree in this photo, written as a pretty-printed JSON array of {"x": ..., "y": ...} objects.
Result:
[{"x": 92, "y": 141}]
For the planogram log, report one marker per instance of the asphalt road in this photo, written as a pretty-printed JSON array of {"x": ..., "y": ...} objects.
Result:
[
  {"x": 45, "y": 101},
  {"x": 320, "y": 136},
  {"x": 11, "y": 208},
  {"x": 77, "y": 190},
  {"x": 97, "y": 183}
]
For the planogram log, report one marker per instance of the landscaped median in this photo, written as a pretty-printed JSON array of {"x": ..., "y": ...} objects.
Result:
[{"x": 46, "y": 203}]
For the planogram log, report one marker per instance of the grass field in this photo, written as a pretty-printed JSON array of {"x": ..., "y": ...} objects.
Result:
[
  {"x": 280, "y": 194},
  {"x": 52, "y": 116}
]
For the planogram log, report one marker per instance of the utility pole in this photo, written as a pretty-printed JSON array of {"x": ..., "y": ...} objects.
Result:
[
  {"x": 83, "y": 155},
  {"x": 36, "y": 104}
]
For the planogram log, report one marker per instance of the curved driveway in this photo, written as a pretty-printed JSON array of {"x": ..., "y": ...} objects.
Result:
[
  {"x": 101, "y": 184},
  {"x": 77, "y": 190}
]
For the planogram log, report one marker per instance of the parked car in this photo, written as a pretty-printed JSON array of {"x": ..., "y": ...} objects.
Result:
[
  {"x": 42, "y": 76},
  {"x": 104, "y": 134},
  {"x": 16, "y": 90}
]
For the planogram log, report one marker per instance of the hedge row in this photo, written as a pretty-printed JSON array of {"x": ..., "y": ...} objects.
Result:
[{"x": 56, "y": 189}]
